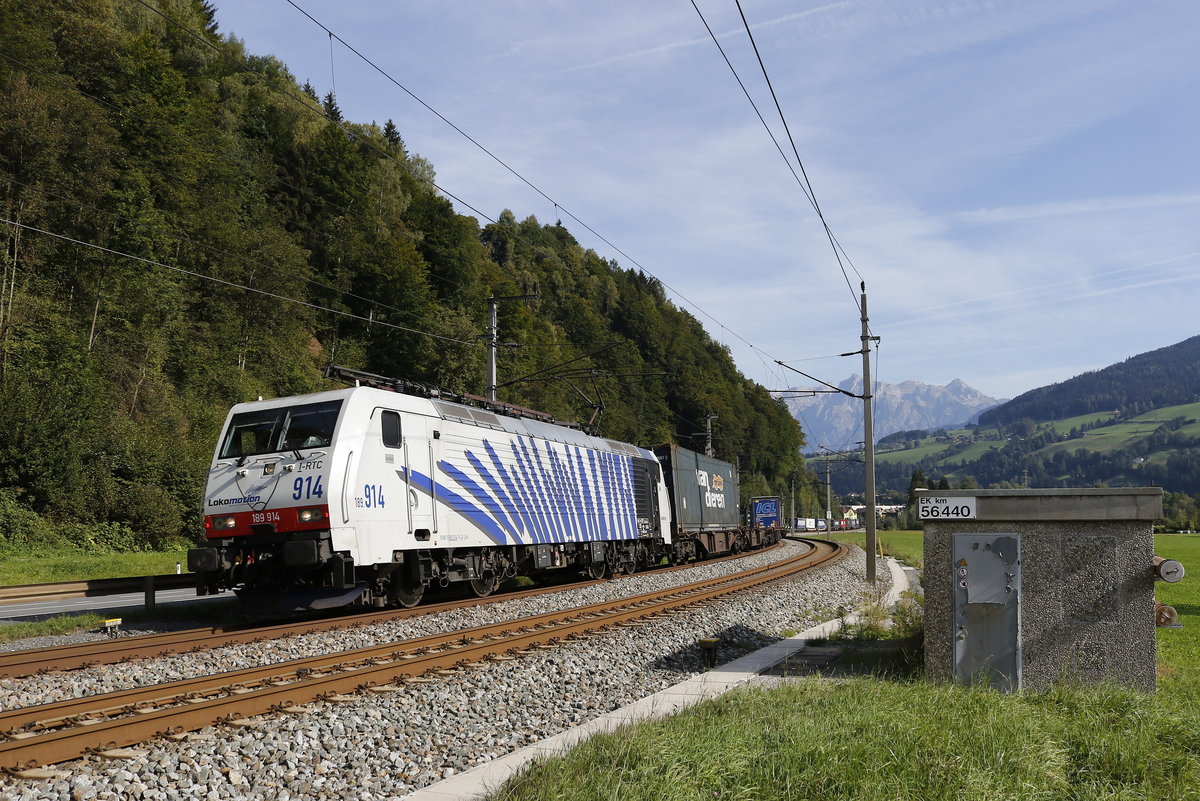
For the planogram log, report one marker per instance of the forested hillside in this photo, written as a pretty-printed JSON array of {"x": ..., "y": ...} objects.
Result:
[
  {"x": 1164, "y": 377},
  {"x": 186, "y": 226}
]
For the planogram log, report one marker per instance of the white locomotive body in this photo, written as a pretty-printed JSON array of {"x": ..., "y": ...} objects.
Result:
[{"x": 369, "y": 495}]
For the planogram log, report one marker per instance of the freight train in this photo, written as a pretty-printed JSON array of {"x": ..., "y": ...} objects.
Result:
[{"x": 371, "y": 494}]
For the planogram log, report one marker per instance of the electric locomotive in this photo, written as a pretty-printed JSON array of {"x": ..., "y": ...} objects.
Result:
[{"x": 370, "y": 494}]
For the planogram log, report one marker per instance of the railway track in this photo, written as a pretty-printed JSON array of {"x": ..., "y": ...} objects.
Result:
[
  {"x": 65, "y": 730},
  {"x": 15, "y": 664}
]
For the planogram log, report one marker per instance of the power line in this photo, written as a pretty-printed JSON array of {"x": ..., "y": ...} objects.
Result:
[
  {"x": 558, "y": 206},
  {"x": 305, "y": 102},
  {"x": 804, "y": 184},
  {"x": 344, "y": 126},
  {"x": 179, "y": 237},
  {"x": 234, "y": 284},
  {"x": 795, "y": 151}
]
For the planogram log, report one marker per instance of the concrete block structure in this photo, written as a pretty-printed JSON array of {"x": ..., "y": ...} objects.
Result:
[{"x": 1028, "y": 587}]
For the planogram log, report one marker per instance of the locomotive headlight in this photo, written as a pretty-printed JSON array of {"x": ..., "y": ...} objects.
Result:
[
  {"x": 312, "y": 514},
  {"x": 224, "y": 522}
]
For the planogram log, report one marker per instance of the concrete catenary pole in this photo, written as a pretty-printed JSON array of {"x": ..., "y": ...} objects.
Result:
[
  {"x": 493, "y": 340},
  {"x": 493, "y": 337},
  {"x": 828, "y": 496},
  {"x": 868, "y": 437}
]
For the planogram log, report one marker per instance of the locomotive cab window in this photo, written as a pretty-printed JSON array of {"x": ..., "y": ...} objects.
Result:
[
  {"x": 390, "y": 421},
  {"x": 290, "y": 428}
]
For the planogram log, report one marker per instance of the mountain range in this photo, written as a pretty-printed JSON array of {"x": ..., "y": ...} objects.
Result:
[{"x": 833, "y": 420}]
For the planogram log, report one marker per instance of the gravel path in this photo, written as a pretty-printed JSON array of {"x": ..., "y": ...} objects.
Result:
[{"x": 384, "y": 746}]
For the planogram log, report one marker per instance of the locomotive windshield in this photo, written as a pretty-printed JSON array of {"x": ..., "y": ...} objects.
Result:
[{"x": 289, "y": 428}]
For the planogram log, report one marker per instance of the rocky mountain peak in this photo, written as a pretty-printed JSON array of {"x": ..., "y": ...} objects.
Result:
[{"x": 835, "y": 421}]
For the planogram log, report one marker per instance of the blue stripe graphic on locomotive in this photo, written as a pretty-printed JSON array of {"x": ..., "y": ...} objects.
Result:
[
  {"x": 487, "y": 503},
  {"x": 590, "y": 512},
  {"x": 553, "y": 504},
  {"x": 456, "y": 502},
  {"x": 518, "y": 499},
  {"x": 546, "y": 499},
  {"x": 553, "y": 493},
  {"x": 601, "y": 518},
  {"x": 606, "y": 477},
  {"x": 559, "y": 491},
  {"x": 567, "y": 494},
  {"x": 536, "y": 503},
  {"x": 538, "y": 485},
  {"x": 619, "y": 494},
  {"x": 630, "y": 509},
  {"x": 504, "y": 504},
  {"x": 581, "y": 513}
]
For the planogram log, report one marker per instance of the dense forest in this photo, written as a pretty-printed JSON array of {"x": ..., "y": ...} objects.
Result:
[
  {"x": 187, "y": 226},
  {"x": 1165, "y": 377}
]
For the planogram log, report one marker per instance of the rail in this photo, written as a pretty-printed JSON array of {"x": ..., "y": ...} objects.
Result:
[
  {"x": 65, "y": 730},
  {"x": 15, "y": 664}
]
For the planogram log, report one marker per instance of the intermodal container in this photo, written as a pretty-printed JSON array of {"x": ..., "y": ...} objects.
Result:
[
  {"x": 765, "y": 511},
  {"x": 703, "y": 490}
]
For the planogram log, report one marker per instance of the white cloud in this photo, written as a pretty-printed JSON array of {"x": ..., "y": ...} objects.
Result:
[
  {"x": 1090, "y": 206},
  {"x": 959, "y": 149}
]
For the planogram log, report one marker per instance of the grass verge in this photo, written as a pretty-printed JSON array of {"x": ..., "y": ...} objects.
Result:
[
  {"x": 877, "y": 738},
  {"x": 867, "y": 739},
  {"x": 907, "y": 546},
  {"x": 40, "y": 568}
]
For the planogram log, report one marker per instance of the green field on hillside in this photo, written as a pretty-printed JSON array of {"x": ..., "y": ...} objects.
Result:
[
  {"x": 1065, "y": 426},
  {"x": 952, "y": 459},
  {"x": 931, "y": 447}
]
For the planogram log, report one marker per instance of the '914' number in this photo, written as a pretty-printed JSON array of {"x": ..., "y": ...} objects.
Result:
[
  {"x": 372, "y": 496},
  {"x": 307, "y": 487}
]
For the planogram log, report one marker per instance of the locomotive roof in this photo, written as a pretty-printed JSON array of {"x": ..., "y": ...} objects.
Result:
[{"x": 462, "y": 413}]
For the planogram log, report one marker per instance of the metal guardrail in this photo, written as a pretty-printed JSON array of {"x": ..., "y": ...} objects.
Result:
[{"x": 24, "y": 593}]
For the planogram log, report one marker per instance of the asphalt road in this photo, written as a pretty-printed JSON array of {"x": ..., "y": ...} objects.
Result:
[{"x": 116, "y": 604}]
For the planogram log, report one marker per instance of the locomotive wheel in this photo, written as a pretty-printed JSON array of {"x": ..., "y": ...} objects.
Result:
[
  {"x": 598, "y": 570},
  {"x": 408, "y": 597},
  {"x": 485, "y": 585}
]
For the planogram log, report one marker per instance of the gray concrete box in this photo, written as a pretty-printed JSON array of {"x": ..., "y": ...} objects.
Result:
[{"x": 1085, "y": 580}]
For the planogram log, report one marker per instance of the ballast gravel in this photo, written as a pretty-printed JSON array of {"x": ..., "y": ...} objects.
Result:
[{"x": 383, "y": 746}]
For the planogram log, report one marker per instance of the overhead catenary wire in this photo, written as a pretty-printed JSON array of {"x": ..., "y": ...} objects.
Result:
[
  {"x": 234, "y": 284},
  {"x": 803, "y": 182},
  {"x": 309, "y": 106},
  {"x": 796, "y": 152},
  {"x": 559, "y": 207},
  {"x": 305, "y": 103}
]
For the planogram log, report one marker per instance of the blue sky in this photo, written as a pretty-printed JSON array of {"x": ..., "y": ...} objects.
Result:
[{"x": 1017, "y": 182}]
